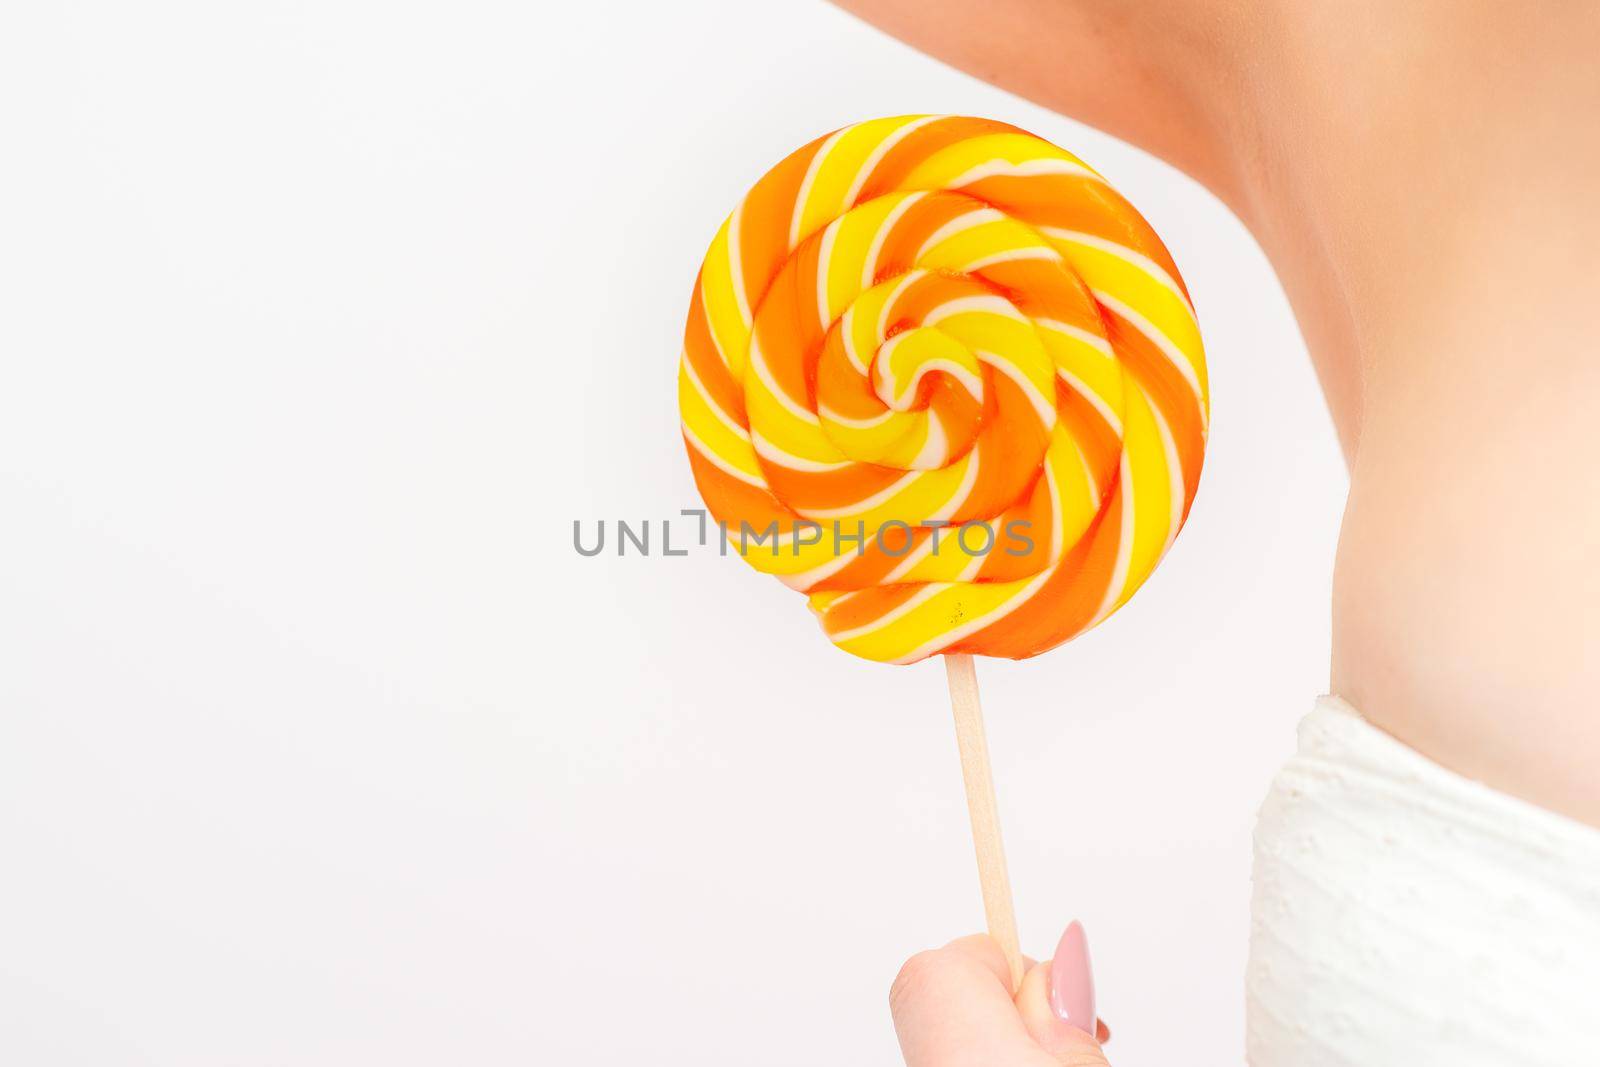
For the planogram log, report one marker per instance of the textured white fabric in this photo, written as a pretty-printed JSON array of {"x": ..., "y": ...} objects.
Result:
[{"x": 1402, "y": 914}]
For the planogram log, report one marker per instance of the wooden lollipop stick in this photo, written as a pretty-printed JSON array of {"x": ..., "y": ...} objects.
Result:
[{"x": 992, "y": 876}]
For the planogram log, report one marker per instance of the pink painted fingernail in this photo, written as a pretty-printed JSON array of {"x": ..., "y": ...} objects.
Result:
[{"x": 1071, "y": 981}]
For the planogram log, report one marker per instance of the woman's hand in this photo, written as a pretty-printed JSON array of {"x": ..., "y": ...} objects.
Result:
[{"x": 952, "y": 1007}]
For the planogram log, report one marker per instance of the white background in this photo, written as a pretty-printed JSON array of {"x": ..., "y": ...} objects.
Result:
[{"x": 320, "y": 324}]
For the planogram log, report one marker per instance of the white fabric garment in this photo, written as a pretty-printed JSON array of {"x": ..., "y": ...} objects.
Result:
[{"x": 1404, "y": 915}]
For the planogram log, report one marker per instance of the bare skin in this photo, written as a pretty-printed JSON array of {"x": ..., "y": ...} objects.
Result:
[{"x": 1423, "y": 177}]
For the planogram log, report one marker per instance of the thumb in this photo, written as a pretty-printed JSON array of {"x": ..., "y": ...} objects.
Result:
[{"x": 1056, "y": 1002}]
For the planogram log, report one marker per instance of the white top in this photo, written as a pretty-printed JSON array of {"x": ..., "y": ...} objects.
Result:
[{"x": 1402, "y": 914}]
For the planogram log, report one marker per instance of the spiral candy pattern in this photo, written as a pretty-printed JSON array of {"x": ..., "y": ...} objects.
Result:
[{"x": 956, "y": 381}]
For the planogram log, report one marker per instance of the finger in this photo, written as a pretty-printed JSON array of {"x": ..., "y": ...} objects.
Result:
[
  {"x": 1102, "y": 1032},
  {"x": 952, "y": 1007},
  {"x": 1056, "y": 1002},
  {"x": 1069, "y": 1046},
  {"x": 989, "y": 954}
]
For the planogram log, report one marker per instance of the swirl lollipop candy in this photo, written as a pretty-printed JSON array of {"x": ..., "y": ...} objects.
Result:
[{"x": 952, "y": 383}]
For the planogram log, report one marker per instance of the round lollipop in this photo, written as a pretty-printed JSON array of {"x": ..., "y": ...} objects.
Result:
[{"x": 944, "y": 380}]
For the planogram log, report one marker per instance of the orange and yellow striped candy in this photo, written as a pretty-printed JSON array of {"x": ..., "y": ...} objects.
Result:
[{"x": 940, "y": 377}]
